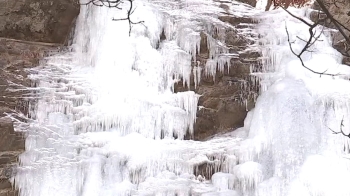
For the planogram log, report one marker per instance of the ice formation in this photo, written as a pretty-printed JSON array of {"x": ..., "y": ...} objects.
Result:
[
  {"x": 289, "y": 129},
  {"x": 108, "y": 123}
]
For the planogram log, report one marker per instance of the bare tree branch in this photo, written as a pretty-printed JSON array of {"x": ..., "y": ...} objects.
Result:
[
  {"x": 334, "y": 21},
  {"x": 296, "y": 17},
  {"x": 130, "y": 11},
  {"x": 341, "y": 129},
  {"x": 323, "y": 21},
  {"x": 308, "y": 43},
  {"x": 323, "y": 18},
  {"x": 117, "y": 4}
]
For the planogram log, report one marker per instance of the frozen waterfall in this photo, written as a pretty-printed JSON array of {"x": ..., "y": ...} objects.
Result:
[{"x": 107, "y": 121}]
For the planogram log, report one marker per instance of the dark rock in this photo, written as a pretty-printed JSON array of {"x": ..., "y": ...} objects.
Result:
[
  {"x": 236, "y": 20},
  {"x": 8, "y": 138},
  {"x": 346, "y": 61},
  {"x": 249, "y": 2},
  {"x": 26, "y": 22},
  {"x": 37, "y": 20},
  {"x": 3, "y": 63},
  {"x": 208, "y": 168},
  {"x": 5, "y": 184},
  {"x": 206, "y": 124},
  {"x": 15, "y": 57},
  {"x": 204, "y": 51},
  {"x": 227, "y": 96},
  {"x": 339, "y": 11}
]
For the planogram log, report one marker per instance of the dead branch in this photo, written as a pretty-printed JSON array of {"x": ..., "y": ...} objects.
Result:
[
  {"x": 105, "y": 3},
  {"x": 341, "y": 129},
  {"x": 308, "y": 43},
  {"x": 324, "y": 18},
  {"x": 336, "y": 23},
  {"x": 130, "y": 11},
  {"x": 116, "y": 4}
]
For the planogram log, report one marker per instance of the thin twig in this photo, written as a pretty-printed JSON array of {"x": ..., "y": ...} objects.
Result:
[
  {"x": 341, "y": 129},
  {"x": 116, "y": 4},
  {"x": 308, "y": 44}
]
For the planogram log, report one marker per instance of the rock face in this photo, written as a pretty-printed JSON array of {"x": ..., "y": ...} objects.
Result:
[
  {"x": 341, "y": 12},
  {"x": 24, "y": 27},
  {"x": 37, "y": 20},
  {"x": 249, "y": 2},
  {"x": 11, "y": 145},
  {"x": 227, "y": 97},
  {"x": 15, "y": 57}
]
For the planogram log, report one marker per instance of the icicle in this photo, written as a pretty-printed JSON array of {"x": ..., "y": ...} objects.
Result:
[
  {"x": 223, "y": 181},
  {"x": 248, "y": 176}
]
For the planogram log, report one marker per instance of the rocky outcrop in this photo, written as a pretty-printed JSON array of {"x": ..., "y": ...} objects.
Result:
[
  {"x": 11, "y": 145},
  {"x": 340, "y": 11},
  {"x": 29, "y": 31},
  {"x": 342, "y": 14},
  {"x": 37, "y": 20},
  {"x": 249, "y": 2},
  {"x": 227, "y": 97},
  {"x": 15, "y": 57}
]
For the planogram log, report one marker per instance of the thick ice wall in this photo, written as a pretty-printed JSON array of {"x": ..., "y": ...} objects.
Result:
[
  {"x": 142, "y": 60},
  {"x": 115, "y": 83},
  {"x": 284, "y": 128},
  {"x": 291, "y": 125}
]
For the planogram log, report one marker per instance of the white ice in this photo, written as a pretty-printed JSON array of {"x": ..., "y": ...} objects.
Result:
[{"x": 290, "y": 128}]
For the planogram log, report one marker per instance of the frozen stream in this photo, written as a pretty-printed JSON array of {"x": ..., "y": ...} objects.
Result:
[{"x": 106, "y": 119}]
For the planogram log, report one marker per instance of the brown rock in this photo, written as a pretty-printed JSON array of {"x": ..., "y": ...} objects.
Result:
[
  {"x": 249, "y": 2},
  {"x": 9, "y": 139},
  {"x": 5, "y": 184},
  {"x": 37, "y": 20},
  {"x": 15, "y": 56},
  {"x": 227, "y": 96},
  {"x": 339, "y": 11},
  {"x": 204, "y": 51}
]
